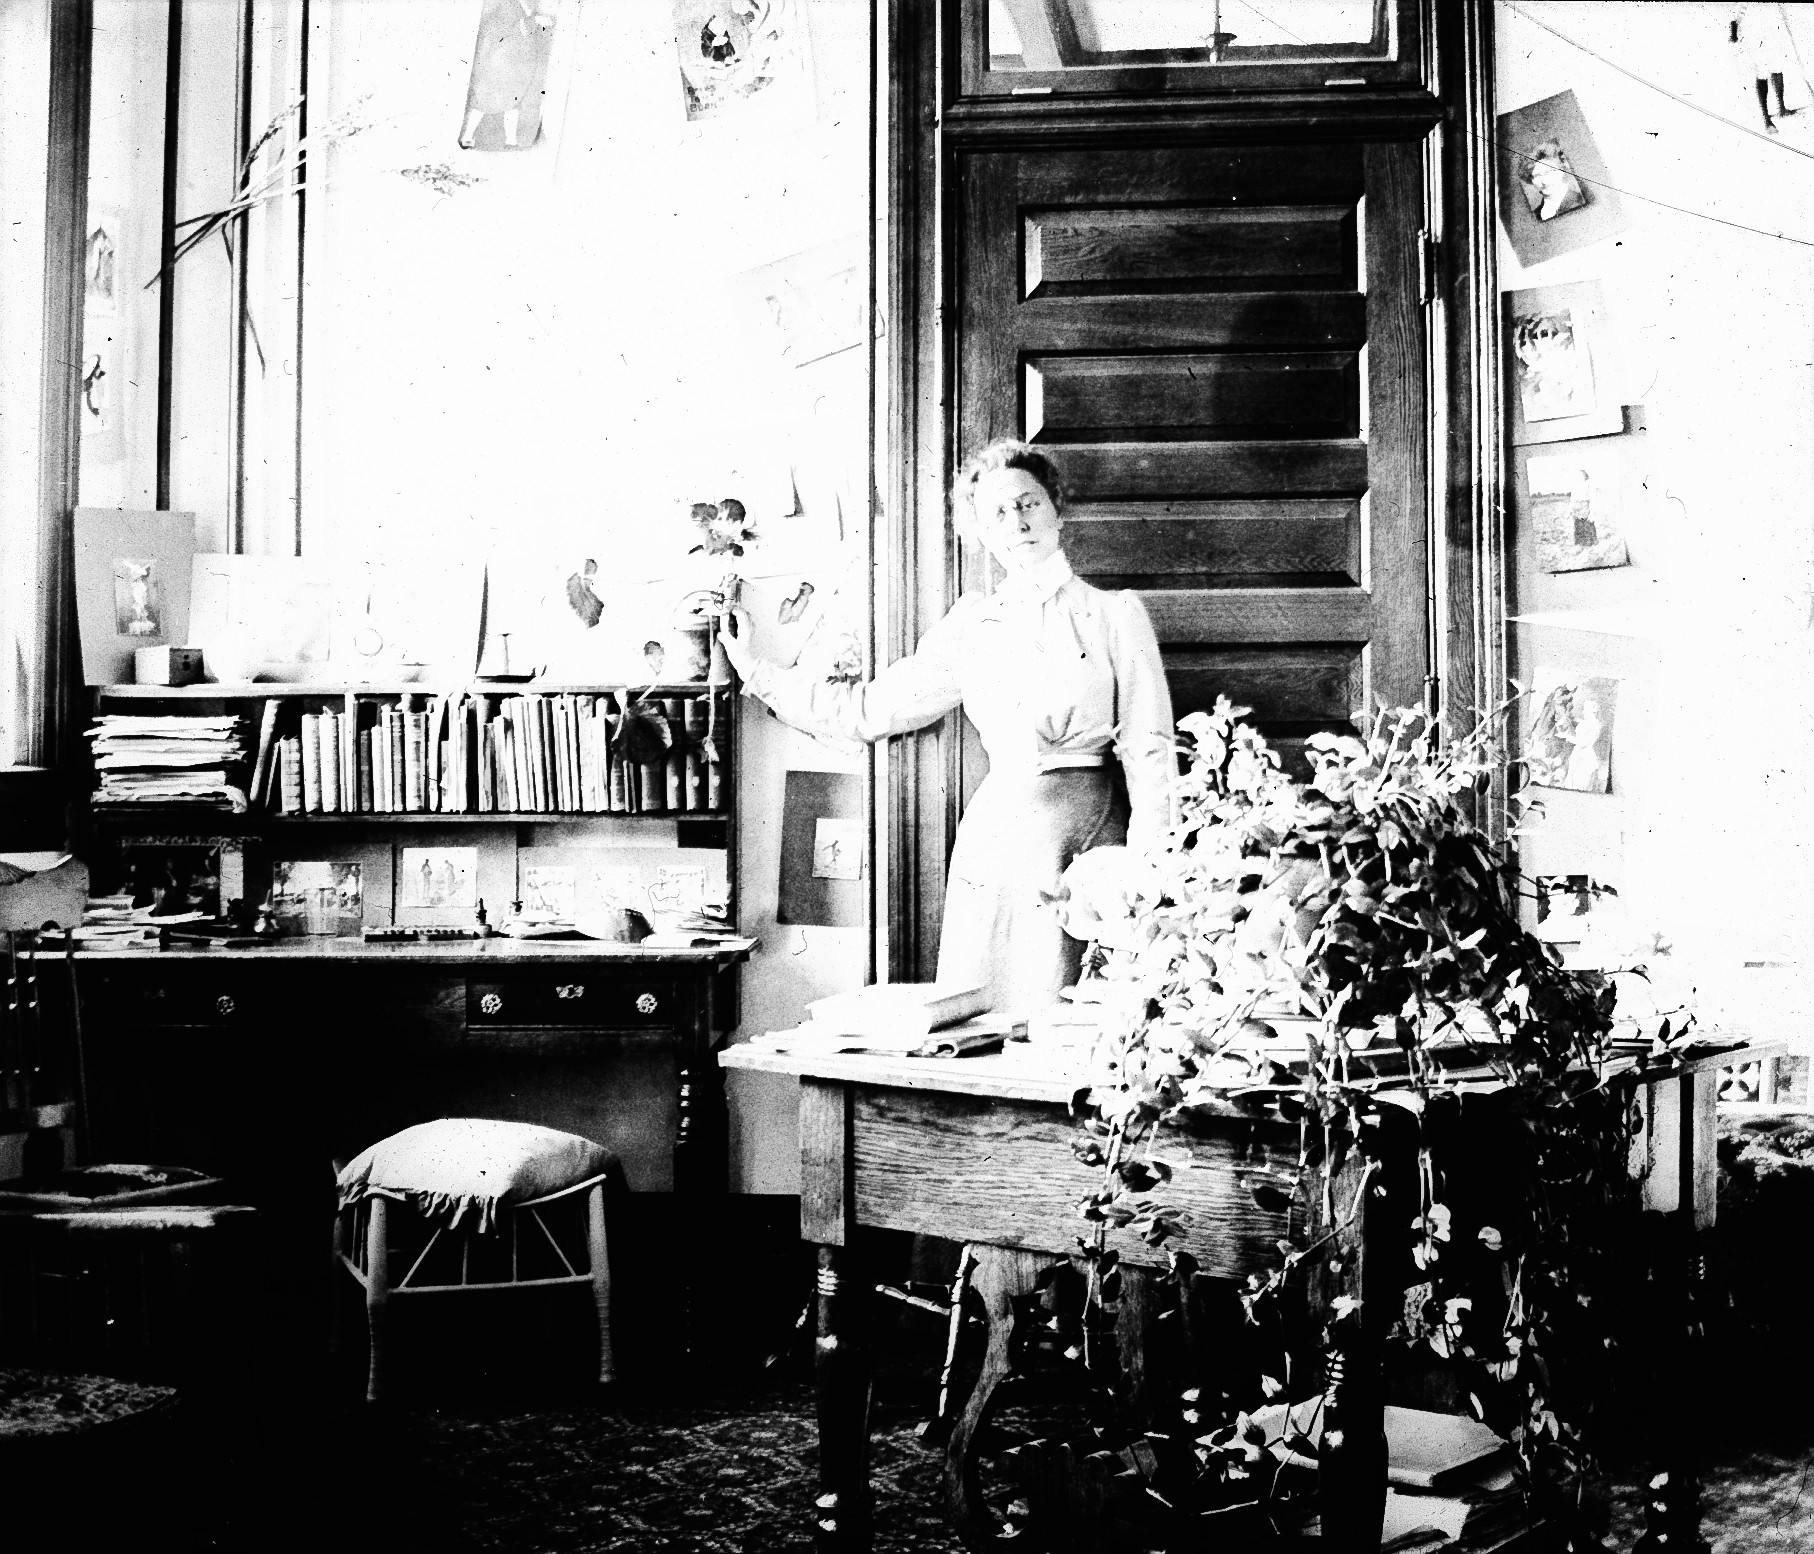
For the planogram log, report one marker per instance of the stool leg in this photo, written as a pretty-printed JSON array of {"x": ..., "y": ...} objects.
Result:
[
  {"x": 377, "y": 1292},
  {"x": 601, "y": 1278}
]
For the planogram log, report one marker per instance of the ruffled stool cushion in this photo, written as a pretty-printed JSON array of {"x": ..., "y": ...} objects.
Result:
[{"x": 457, "y": 1166}]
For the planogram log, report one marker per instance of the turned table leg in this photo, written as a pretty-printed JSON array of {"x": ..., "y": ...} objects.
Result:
[{"x": 841, "y": 1376}]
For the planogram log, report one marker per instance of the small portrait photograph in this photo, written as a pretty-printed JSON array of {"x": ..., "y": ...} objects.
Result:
[
  {"x": 100, "y": 264},
  {"x": 317, "y": 897},
  {"x": 1548, "y": 182},
  {"x": 137, "y": 605},
  {"x": 1554, "y": 192},
  {"x": 837, "y": 848},
  {"x": 1570, "y": 743},
  {"x": 438, "y": 879},
  {"x": 1575, "y": 513}
]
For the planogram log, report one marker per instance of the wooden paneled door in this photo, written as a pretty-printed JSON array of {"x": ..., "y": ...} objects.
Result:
[{"x": 1225, "y": 349}]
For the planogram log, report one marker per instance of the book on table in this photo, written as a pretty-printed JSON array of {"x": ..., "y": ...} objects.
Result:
[
  {"x": 983, "y": 1033},
  {"x": 898, "y": 1009}
]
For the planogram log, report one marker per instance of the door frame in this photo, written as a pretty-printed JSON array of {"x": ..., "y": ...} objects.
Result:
[{"x": 928, "y": 126}]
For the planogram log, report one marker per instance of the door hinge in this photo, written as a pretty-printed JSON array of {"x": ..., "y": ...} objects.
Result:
[{"x": 1429, "y": 257}]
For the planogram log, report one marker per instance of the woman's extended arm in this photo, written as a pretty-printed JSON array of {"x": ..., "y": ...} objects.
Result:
[
  {"x": 908, "y": 694},
  {"x": 1144, "y": 740}
]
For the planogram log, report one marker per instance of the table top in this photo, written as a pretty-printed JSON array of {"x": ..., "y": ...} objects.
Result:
[
  {"x": 1028, "y": 1072},
  {"x": 499, "y": 951}
]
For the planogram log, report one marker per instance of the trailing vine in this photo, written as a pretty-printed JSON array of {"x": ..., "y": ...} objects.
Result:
[{"x": 1369, "y": 903}]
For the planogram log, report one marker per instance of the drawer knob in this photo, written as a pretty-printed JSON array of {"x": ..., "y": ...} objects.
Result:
[
  {"x": 490, "y": 1003},
  {"x": 569, "y": 990},
  {"x": 645, "y": 1003},
  {"x": 224, "y": 1005}
]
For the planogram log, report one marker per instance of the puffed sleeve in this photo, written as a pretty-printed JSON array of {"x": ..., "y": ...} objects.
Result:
[
  {"x": 1144, "y": 740},
  {"x": 910, "y": 693}
]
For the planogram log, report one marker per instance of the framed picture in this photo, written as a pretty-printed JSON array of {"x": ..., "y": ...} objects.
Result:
[
  {"x": 1559, "y": 379},
  {"x": 132, "y": 586},
  {"x": 315, "y": 896},
  {"x": 1553, "y": 193},
  {"x": 508, "y": 85}
]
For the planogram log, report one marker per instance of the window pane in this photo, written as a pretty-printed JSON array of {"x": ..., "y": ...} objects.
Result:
[{"x": 1087, "y": 34}]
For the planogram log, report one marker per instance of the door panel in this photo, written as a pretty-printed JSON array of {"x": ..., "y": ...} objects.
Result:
[{"x": 1224, "y": 347}]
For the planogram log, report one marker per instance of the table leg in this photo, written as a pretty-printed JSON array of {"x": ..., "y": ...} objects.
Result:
[{"x": 842, "y": 1379}]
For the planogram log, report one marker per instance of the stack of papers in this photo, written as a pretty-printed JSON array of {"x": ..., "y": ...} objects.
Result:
[
  {"x": 922, "y": 1019},
  {"x": 171, "y": 760},
  {"x": 114, "y": 923}
]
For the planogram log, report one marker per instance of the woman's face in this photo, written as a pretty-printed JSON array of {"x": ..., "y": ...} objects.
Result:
[{"x": 1016, "y": 519}]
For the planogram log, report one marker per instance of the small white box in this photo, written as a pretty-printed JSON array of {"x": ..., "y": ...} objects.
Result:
[{"x": 167, "y": 665}]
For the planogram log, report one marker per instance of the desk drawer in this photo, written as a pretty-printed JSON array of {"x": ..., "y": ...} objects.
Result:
[
  {"x": 185, "y": 998},
  {"x": 579, "y": 996}
]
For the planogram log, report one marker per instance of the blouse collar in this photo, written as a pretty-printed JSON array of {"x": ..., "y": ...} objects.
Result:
[{"x": 1037, "y": 584}]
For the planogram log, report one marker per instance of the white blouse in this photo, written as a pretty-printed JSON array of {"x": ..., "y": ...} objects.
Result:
[{"x": 1052, "y": 671}]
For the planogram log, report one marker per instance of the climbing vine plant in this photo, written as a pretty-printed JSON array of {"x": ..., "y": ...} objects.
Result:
[{"x": 1369, "y": 901}]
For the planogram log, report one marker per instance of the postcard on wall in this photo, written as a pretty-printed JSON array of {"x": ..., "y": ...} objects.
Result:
[
  {"x": 437, "y": 885},
  {"x": 1575, "y": 509},
  {"x": 1570, "y": 742},
  {"x": 315, "y": 896},
  {"x": 1561, "y": 385},
  {"x": 1565, "y": 906},
  {"x": 744, "y": 61},
  {"x": 132, "y": 586},
  {"x": 1553, "y": 193}
]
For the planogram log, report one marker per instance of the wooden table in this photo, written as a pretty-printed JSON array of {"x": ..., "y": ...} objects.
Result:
[{"x": 979, "y": 1150}]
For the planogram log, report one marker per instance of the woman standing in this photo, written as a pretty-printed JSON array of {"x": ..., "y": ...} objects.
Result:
[{"x": 1065, "y": 685}]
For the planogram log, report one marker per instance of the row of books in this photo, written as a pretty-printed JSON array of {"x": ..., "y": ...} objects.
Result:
[
  {"x": 171, "y": 759},
  {"x": 566, "y": 753}
]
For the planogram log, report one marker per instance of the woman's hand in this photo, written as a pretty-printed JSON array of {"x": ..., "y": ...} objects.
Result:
[{"x": 736, "y": 633}]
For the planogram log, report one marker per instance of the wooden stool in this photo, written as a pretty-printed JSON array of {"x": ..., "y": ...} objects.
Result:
[{"x": 480, "y": 1188}]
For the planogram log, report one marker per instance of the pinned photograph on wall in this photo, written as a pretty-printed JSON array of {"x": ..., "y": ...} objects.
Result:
[
  {"x": 317, "y": 897},
  {"x": 1566, "y": 904},
  {"x": 132, "y": 586},
  {"x": 506, "y": 91},
  {"x": 1553, "y": 192},
  {"x": 743, "y": 58},
  {"x": 101, "y": 263},
  {"x": 1575, "y": 513},
  {"x": 1570, "y": 742},
  {"x": 818, "y": 809},
  {"x": 437, "y": 885},
  {"x": 1561, "y": 383}
]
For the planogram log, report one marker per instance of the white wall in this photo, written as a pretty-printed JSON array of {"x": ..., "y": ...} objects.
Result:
[
  {"x": 1704, "y": 832},
  {"x": 550, "y": 363}
]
